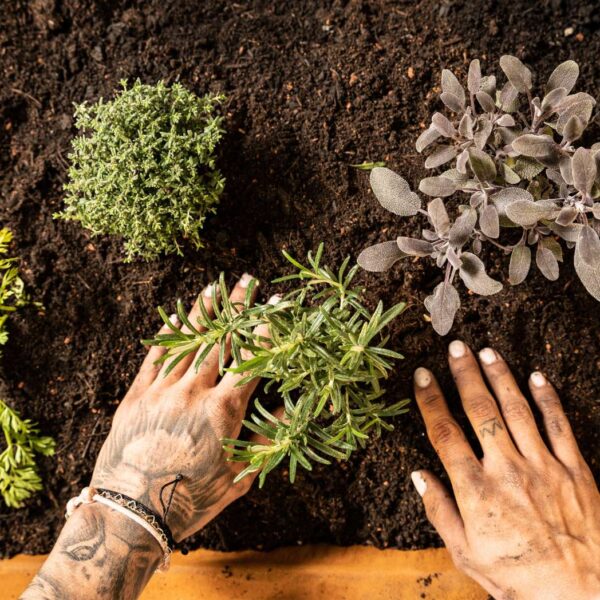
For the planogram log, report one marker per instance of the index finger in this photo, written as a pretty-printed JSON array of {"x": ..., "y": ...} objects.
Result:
[{"x": 444, "y": 433}]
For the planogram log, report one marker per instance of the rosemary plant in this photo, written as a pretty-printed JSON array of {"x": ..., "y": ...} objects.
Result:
[
  {"x": 325, "y": 355},
  {"x": 19, "y": 478}
]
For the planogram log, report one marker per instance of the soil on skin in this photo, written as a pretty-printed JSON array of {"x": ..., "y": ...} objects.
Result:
[{"x": 312, "y": 87}]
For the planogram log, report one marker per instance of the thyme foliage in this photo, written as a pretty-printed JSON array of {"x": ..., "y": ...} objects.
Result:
[
  {"x": 144, "y": 167},
  {"x": 325, "y": 355}
]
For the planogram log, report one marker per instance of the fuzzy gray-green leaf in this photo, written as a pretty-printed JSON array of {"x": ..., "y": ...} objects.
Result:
[
  {"x": 393, "y": 192},
  {"x": 438, "y": 186},
  {"x": 516, "y": 72},
  {"x": 380, "y": 257},
  {"x": 520, "y": 263},
  {"x": 482, "y": 164},
  {"x": 442, "y": 306},
  {"x": 475, "y": 278},
  {"x": 564, "y": 76}
]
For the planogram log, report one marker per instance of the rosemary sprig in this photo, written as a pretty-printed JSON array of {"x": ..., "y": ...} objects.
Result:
[{"x": 326, "y": 355}]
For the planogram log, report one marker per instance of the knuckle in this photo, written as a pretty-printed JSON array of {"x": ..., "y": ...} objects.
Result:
[
  {"x": 431, "y": 398},
  {"x": 517, "y": 410},
  {"x": 481, "y": 407},
  {"x": 445, "y": 432},
  {"x": 463, "y": 371},
  {"x": 549, "y": 402}
]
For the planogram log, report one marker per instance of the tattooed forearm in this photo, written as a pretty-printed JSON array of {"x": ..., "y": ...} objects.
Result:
[
  {"x": 490, "y": 427},
  {"x": 99, "y": 554}
]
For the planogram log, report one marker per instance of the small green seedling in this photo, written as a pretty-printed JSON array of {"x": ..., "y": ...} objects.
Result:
[
  {"x": 19, "y": 478},
  {"x": 325, "y": 355},
  {"x": 12, "y": 288},
  {"x": 143, "y": 167}
]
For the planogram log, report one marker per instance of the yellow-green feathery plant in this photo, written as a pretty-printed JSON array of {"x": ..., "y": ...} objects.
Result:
[
  {"x": 12, "y": 288},
  {"x": 19, "y": 478},
  {"x": 144, "y": 167},
  {"x": 326, "y": 354}
]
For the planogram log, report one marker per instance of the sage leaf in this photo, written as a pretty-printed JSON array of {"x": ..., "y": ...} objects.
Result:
[
  {"x": 451, "y": 102},
  {"x": 438, "y": 216},
  {"x": 567, "y": 215},
  {"x": 526, "y": 213},
  {"x": 546, "y": 262},
  {"x": 463, "y": 227},
  {"x": 486, "y": 101},
  {"x": 440, "y": 156},
  {"x": 442, "y": 305},
  {"x": 584, "y": 170},
  {"x": 588, "y": 274},
  {"x": 427, "y": 138},
  {"x": 414, "y": 247},
  {"x": 475, "y": 278},
  {"x": 474, "y": 76},
  {"x": 451, "y": 85},
  {"x": 489, "y": 222},
  {"x": 393, "y": 192},
  {"x": 443, "y": 125},
  {"x": 437, "y": 186},
  {"x": 520, "y": 263},
  {"x": 564, "y": 76},
  {"x": 535, "y": 146},
  {"x": 516, "y": 72},
  {"x": 380, "y": 257},
  {"x": 588, "y": 246},
  {"x": 482, "y": 165}
]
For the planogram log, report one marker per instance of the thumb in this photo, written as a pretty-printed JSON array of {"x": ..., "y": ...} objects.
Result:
[{"x": 441, "y": 510}]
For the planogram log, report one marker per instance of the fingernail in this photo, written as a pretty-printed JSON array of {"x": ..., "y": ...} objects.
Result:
[
  {"x": 208, "y": 291},
  {"x": 245, "y": 280},
  {"x": 488, "y": 356},
  {"x": 457, "y": 349},
  {"x": 419, "y": 482},
  {"x": 538, "y": 379},
  {"x": 275, "y": 299},
  {"x": 174, "y": 319},
  {"x": 422, "y": 377}
]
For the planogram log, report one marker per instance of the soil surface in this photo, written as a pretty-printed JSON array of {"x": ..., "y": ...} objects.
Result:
[{"x": 312, "y": 87}]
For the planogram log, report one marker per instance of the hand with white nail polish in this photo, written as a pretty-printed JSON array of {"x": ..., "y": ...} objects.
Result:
[{"x": 524, "y": 520}]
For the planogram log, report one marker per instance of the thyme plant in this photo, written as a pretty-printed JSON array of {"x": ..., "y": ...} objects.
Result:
[
  {"x": 144, "y": 167},
  {"x": 325, "y": 355},
  {"x": 523, "y": 178},
  {"x": 19, "y": 478}
]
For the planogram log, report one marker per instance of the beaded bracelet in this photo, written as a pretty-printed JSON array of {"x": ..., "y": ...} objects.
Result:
[{"x": 133, "y": 510}]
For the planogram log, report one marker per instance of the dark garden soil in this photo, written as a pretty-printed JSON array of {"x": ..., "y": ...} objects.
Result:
[{"x": 311, "y": 87}]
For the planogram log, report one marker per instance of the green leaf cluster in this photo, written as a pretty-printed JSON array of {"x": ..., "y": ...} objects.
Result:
[
  {"x": 12, "y": 288},
  {"x": 325, "y": 354},
  {"x": 19, "y": 478},
  {"x": 144, "y": 167}
]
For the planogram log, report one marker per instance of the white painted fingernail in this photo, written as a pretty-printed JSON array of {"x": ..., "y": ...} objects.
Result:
[
  {"x": 422, "y": 377},
  {"x": 174, "y": 319},
  {"x": 208, "y": 290},
  {"x": 538, "y": 379},
  {"x": 457, "y": 349},
  {"x": 488, "y": 356},
  {"x": 276, "y": 299},
  {"x": 245, "y": 280},
  {"x": 419, "y": 482}
]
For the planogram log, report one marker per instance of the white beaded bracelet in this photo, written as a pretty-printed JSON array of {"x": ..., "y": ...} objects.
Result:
[{"x": 131, "y": 509}]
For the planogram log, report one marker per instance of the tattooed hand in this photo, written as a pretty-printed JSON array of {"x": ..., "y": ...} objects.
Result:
[
  {"x": 165, "y": 426},
  {"x": 524, "y": 521}
]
